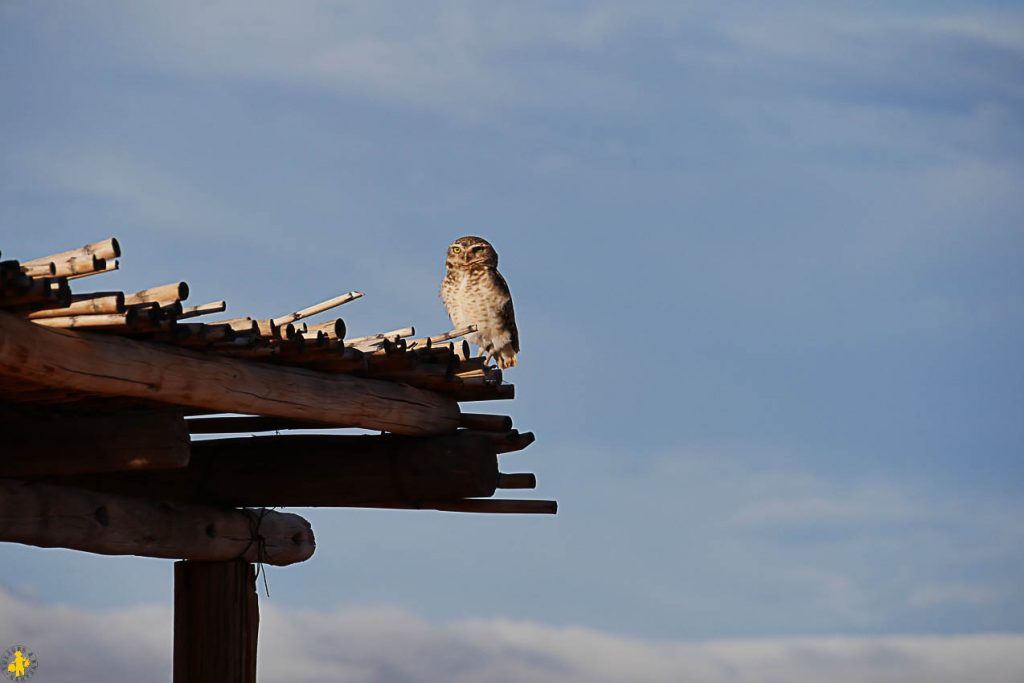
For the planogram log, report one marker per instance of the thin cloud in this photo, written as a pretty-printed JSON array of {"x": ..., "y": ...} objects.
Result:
[{"x": 372, "y": 645}]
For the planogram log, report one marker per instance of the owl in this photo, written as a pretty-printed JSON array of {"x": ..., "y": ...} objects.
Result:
[{"x": 475, "y": 293}]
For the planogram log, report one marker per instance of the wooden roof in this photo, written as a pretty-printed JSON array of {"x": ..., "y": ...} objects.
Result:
[{"x": 101, "y": 392}]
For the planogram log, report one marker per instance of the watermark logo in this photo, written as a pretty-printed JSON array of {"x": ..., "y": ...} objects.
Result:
[{"x": 18, "y": 663}]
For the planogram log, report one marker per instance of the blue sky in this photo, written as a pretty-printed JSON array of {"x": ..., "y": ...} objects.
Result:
[{"x": 768, "y": 264}]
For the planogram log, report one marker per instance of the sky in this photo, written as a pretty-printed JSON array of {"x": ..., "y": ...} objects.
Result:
[{"x": 767, "y": 262}]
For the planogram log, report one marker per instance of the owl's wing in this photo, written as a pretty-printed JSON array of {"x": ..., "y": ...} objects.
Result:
[
  {"x": 447, "y": 297},
  {"x": 508, "y": 314}
]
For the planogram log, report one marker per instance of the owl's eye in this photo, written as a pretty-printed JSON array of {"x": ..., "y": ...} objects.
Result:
[{"x": 456, "y": 250}]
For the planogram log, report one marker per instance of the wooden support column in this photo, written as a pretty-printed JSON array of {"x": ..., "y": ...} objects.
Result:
[{"x": 216, "y": 622}]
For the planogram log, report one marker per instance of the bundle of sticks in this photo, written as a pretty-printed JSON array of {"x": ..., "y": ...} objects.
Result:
[{"x": 40, "y": 290}]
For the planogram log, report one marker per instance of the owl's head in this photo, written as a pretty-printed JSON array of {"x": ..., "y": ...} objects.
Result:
[{"x": 471, "y": 251}]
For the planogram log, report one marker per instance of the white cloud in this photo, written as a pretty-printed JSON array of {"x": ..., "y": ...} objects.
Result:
[
  {"x": 386, "y": 644},
  {"x": 953, "y": 593},
  {"x": 138, "y": 191},
  {"x": 456, "y": 57}
]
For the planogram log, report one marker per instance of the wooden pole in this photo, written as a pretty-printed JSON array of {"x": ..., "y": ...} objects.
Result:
[
  {"x": 216, "y": 622},
  {"x": 317, "y": 308},
  {"x": 203, "y": 309},
  {"x": 334, "y": 329},
  {"x": 107, "y": 365},
  {"x": 164, "y": 294},
  {"x": 107, "y": 249},
  {"x": 443, "y": 337},
  {"x": 374, "y": 340},
  {"x": 45, "y": 269},
  {"x": 116, "y": 321},
  {"x": 54, "y": 516},
  {"x": 87, "y": 304},
  {"x": 102, "y": 266}
]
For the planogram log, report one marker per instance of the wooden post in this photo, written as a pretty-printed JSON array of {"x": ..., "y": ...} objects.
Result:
[{"x": 216, "y": 622}]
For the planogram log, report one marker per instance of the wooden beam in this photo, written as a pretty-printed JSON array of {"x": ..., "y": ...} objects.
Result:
[
  {"x": 491, "y": 506},
  {"x": 249, "y": 423},
  {"x": 41, "y": 443},
  {"x": 53, "y": 516},
  {"x": 506, "y": 442},
  {"x": 524, "y": 480},
  {"x": 318, "y": 470},
  {"x": 216, "y": 622},
  {"x": 486, "y": 423},
  {"x": 107, "y": 365}
]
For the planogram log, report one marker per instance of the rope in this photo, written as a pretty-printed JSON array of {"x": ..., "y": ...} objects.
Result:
[{"x": 255, "y": 521}]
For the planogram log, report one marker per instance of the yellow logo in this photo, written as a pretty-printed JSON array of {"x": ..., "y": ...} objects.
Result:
[{"x": 18, "y": 663}]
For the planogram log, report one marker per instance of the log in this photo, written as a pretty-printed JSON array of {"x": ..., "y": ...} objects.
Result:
[
  {"x": 501, "y": 506},
  {"x": 243, "y": 323},
  {"x": 371, "y": 340},
  {"x": 85, "y": 304},
  {"x": 21, "y": 290},
  {"x": 102, "y": 266},
  {"x": 108, "y": 365},
  {"x": 163, "y": 295},
  {"x": 203, "y": 309},
  {"x": 317, "y": 308},
  {"x": 216, "y": 622},
  {"x": 106, "y": 249},
  {"x": 508, "y": 442},
  {"x": 97, "y": 321},
  {"x": 213, "y": 333},
  {"x": 50, "y": 443},
  {"x": 486, "y": 423},
  {"x": 52, "y": 516},
  {"x": 525, "y": 480},
  {"x": 439, "y": 338},
  {"x": 489, "y": 506},
  {"x": 79, "y": 265},
  {"x": 234, "y": 425},
  {"x": 316, "y": 339},
  {"x": 334, "y": 329},
  {"x": 167, "y": 311},
  {"x": 10, "y": 274},
  {"x": 316, "y": 470},
  {"x": 480, "y": 390},
  {"x": 47, "y": 269}
]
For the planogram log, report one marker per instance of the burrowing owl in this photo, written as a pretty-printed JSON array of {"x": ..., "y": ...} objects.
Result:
[{"x": 475, "y": 293}]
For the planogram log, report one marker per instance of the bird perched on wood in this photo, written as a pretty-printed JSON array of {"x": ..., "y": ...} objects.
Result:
[{"x": 475, "y": 293}]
